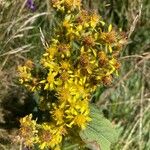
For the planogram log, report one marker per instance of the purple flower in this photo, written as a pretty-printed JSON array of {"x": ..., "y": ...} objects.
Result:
[{"x": 30, "y": 4}]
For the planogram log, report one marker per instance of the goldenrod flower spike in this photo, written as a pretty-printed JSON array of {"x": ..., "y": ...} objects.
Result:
[{"x": 82, "y": 54}]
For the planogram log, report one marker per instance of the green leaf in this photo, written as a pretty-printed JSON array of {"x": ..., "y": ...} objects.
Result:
[{"x": 99, "y": 133}]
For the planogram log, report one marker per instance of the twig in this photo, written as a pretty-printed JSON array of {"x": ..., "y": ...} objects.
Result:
[
  {"x": 45, "y": 44},
  {"x": 133, "y": 129},
  {"x": 132, "y": 28},
  {"x": 129, "y": 136},
  {"x": 21, "y": 143},
  {"x": 141, "y": 107}
]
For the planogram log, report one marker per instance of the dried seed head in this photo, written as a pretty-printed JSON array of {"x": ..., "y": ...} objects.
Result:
[
  {"x": 109, "y": 37},
  {"x": 89, "y": 41},
  {"x": 83, "y": 17},
  {"x": 84, "y": 60},
  {"x": 102, "y": 59},
  {"x": 64, "y": 76},
  {"x": 117, "y": 65},
  {"x": 63, "y": 47},
  {"x": 107, "y": 80},
  {"x": 45, "y": 135},
  {"x": 29, "y": 63}
]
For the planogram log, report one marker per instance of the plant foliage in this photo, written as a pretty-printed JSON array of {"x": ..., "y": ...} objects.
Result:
[{"x": 99, "y": 133}]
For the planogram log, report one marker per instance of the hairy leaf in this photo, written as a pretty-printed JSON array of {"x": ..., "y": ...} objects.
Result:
[{"x": 99, "y": 133}]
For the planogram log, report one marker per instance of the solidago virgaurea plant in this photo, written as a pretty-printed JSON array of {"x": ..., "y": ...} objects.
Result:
[{"x": 81, "y": 55}]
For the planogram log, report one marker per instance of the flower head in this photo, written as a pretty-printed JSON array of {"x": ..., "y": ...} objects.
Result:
[
  {"x": 49, "y": 136},
  {"x": 30, "y": 4},
  {"x": 28, "y": 130}
]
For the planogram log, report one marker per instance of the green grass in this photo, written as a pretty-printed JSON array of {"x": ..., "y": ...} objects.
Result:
[{"x": 126, "y": 102}]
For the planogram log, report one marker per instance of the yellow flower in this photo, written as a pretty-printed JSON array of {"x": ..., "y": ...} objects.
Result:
[
  {"x": 72, "y": 4},
  {"x": 51, "y": 78},
  {"x": 58, "y": 114},
  {"x": 51, "y": 51},
  {"x": 94, "y": 20},
  {"x": 57, "y": 148},
  {"x": 64, "y": 76},
  {"x": 64, "y": 50},
  {"x": 51, "y": 82},
  {"x": 24, "y": 74},
  {"x": 49, "y": 64},
  {"x": 78, "y": 113},
  {"x": 78, "y": 119},
  {"x": 28, "y": 130},
  {"x": 49, "y": 136},
  {"x": 58, "y": 4},
  {"x": 64, "y": 94},
  {"x": 81, "y": 55},
  {"x": 67, "y": 22},
  {"x": 65, "y": 65},
  {"x": 81, "y": 120},
  {"x": 81, "y": 91},
  {"x": 71, "y": 33}
]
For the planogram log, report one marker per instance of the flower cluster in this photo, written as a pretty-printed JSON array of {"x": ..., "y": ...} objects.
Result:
[{"x": 82, "y": 55}]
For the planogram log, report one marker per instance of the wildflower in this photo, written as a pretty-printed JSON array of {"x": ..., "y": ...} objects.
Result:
[
  {"x": 94, "y": 20},
  {"x": 30, "y": 4},
  {"x": 47, "y": 63},
  {"x": 24, "y": 74},
  {"x": 58, "y": 113},
  {"x": 51, "y": 51},
  {"x": 49, "y": 136},
  {"x": 72, "y": 4},
  {"x": 81, "y": 120},
  {"x": 78, "y": 114},
  {"x": 63, "y": 93},
  {"x": 28, "y": 130},
  {"x": 57, "y": 4},
  {"x": 82, "y": 54},
  {"x": 50, "y": 82},
  {"x": 64, "y": 50},
  {"x": 65, "y": 65},
  {"x": 81, "y": 91}
]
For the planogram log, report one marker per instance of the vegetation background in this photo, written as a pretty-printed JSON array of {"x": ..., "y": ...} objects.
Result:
[{"x": 126, "y": 102}]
